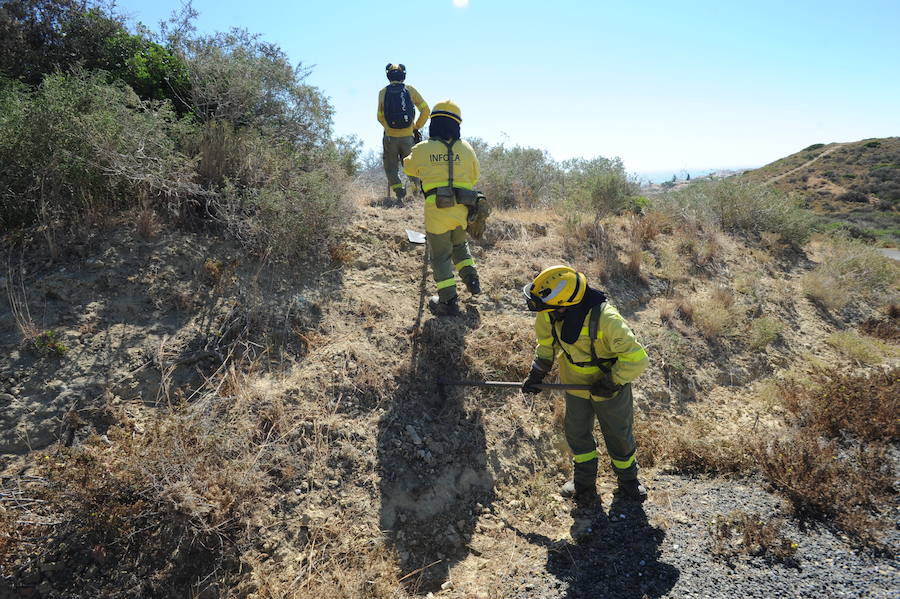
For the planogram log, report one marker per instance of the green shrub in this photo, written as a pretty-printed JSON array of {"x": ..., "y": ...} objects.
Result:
[
  {"x": 40, "y": 37},
  {"x": 740, "y": 207},
  {"x": 236, "y": 78},
  {"x": 813, "y": 147},
  {"x": 78, "y": 147},
  {"x": 860, "y": 349},
  {"x": 764, "y": 331},
  {"x": 599, "y": 186},
  {"x": 516, "y": 177}
]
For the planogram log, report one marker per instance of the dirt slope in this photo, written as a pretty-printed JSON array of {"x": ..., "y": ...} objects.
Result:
[{"x": 376, "y": 483}]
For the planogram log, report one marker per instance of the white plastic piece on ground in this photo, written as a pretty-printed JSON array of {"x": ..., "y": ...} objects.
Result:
[{"x": 415, "y": 236}]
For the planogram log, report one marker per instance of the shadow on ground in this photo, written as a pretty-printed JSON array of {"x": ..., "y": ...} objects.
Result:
[
  {"x": 614, "y": 555},
  {"x": 432, "y": 459}
]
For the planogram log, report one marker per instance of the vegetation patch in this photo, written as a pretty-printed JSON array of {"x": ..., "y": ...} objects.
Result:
[{"x": 742, "y": 533}]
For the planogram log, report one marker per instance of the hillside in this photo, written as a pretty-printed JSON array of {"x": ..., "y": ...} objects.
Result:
[
  {"x": 182, "y": 419},
  {"x": 855, "y": 182}
]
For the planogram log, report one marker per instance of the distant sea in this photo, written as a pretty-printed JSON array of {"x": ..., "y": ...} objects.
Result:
[{"x": 661, "y": 176}]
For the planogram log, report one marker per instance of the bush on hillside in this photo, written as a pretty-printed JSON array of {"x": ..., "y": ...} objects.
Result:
[
  {"x": 516, "y": 177},
  {"x": 599, "y": 186},
  {"x": 79, "y": 148},
  {"x": 852, "y": 270},
  {"x": 236, "y": 78},
  {"x": 740, "y": 208}
]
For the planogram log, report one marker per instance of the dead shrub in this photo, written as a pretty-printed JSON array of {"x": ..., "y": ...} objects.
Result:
[
  {"x": 834, "y": 402},
  {"x": 341, "y": 253},
  {"x": 741, "y": 532},
  {"x": 649, "y": 225},
  {"x": 174, "y": 499},
  {"x": 850, "y": 486},
  {"x": 886, "y": 328}
]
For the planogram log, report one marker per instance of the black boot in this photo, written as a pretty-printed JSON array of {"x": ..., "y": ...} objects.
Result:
[
  {"x": 439, "y": 308},
  {"x": 583, "y": 486},
  {"x": 473, "y": 285},
  {"x": 632, "y": 489}
]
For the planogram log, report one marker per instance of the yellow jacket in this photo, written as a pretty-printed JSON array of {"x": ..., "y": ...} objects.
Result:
[
  {"x": 428, "y": 162},
  {"x": 614, "y": 340},
  {"x": 424, "y": 112}
]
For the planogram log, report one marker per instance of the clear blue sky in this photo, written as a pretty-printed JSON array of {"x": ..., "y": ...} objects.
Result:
[{"x": 663, "y": 85}]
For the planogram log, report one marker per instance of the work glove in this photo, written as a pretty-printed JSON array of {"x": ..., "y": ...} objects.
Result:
[
  {"x": 604, "y": 386},
  {"x": 539, "y": 369},
  {"x": 417, "y": 135}
]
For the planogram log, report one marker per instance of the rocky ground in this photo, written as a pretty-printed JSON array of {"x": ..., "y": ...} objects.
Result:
[{"x": 406, "y": 489}]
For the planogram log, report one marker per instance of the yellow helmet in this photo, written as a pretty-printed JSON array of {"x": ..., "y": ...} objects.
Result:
[
  {"x": 556, "y": 287},
  {"x": 448, "y": 109}
]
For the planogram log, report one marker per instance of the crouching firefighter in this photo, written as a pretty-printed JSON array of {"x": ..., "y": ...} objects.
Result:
[
  {"x": 598, "y": 349},
  {"x": 448, "y": 170}
]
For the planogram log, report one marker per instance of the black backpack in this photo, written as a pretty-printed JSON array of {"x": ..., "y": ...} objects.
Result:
[{"x": 398, "y": 106}]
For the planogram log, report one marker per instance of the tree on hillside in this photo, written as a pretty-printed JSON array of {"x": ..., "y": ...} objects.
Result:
[{"x": 39, "y": 37}]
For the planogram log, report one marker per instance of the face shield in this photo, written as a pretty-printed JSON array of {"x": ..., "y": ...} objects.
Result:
[{"x": 534, "y": 303}]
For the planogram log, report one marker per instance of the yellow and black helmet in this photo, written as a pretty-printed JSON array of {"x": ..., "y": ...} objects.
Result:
[
  {"x": 556, "y": 287},
  {"x": 447, "y": 108},
  {"x": 395, "y": 72}
]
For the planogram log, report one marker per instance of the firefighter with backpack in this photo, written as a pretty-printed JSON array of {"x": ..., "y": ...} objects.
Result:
[
  {"x": 448, "y": 170},
  {"x": 598, "y": 349},
  {"x": 397, "y": 104}
]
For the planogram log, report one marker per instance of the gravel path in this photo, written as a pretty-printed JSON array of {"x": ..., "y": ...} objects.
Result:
[{"x": 664, "y": 549}]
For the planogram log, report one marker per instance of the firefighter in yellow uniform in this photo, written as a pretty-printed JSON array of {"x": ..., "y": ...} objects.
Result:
[
  {"x": 598, "y": 349},
  {"x": 399, "y": 139},
  {"x": 446, "y": 218}
]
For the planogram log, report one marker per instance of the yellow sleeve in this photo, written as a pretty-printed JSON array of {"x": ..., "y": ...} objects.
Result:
[
  {"x": 381, "y": 118},
  {"x": 422, "y": 105},
  {"x": 475, "y": 169},
  {"x": 410, "y": 164},
  {"x": 631, "y": 356},
  {"x": 545, "y": 348}
]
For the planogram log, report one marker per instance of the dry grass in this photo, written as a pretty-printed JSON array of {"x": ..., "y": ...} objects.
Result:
[
  {"x": 850, "y": 271},
  {"x": 672, "y": 266},
  {"x": 667, "y": 309},
  {"x": 715, "y": 314},
  {"x": 684, "y": 307},
  {"x": 752, "y": 534},
  {"x": 859, "y": 349},
  {"x": 692, "y": 447}
]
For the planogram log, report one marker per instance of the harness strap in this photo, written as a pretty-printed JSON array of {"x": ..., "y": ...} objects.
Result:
[
  {"x": 450, "y": 157},
  {"x": 593, "y": 327}
]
